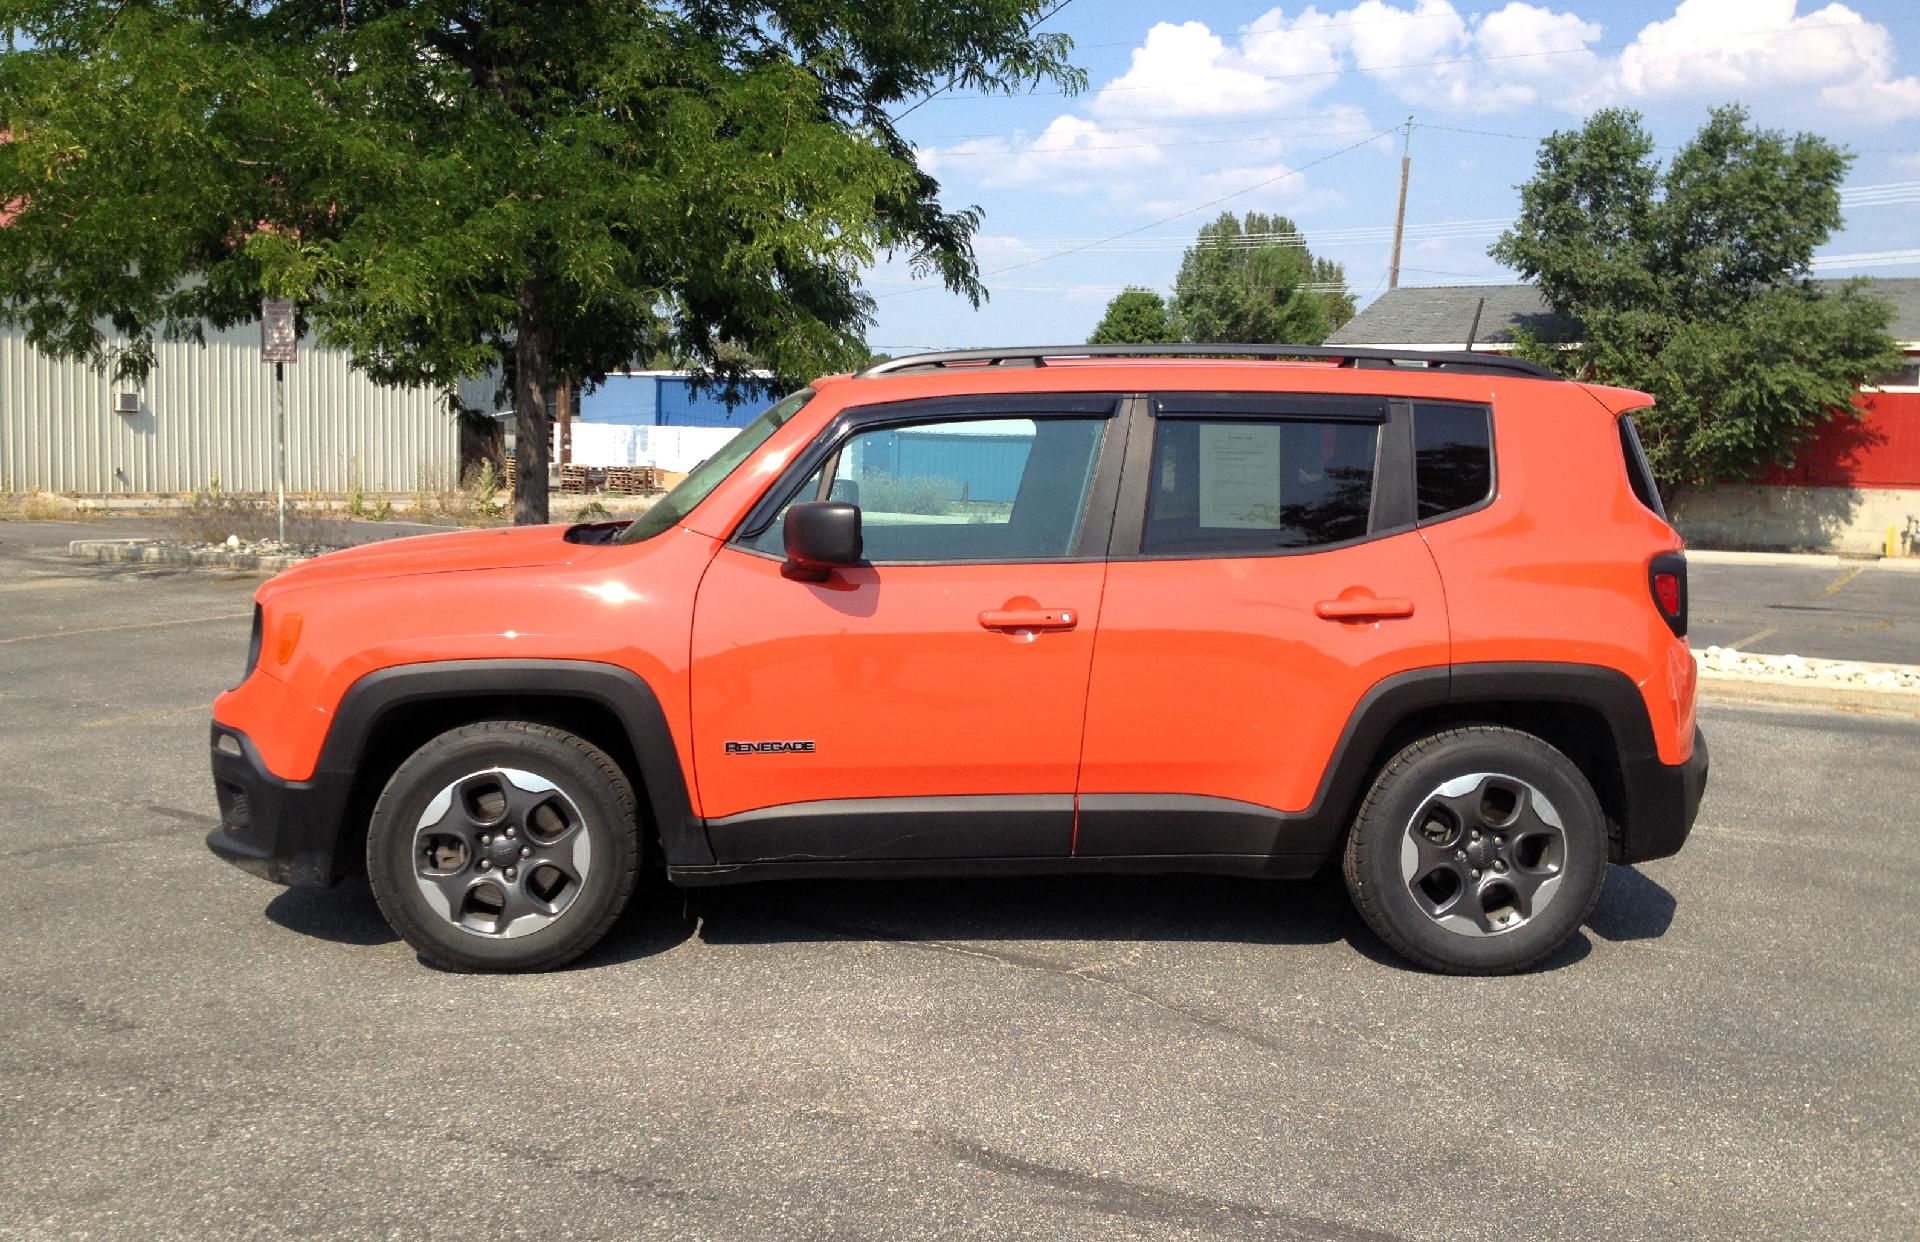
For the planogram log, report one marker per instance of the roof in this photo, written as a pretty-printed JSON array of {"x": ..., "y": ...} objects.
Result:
[{"x": 1438, "y": 316}]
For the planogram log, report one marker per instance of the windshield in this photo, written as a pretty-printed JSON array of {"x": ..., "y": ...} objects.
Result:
[{"x": 709, "y": 474}]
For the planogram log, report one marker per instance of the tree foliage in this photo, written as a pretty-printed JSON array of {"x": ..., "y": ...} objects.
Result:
[
  {"x": 447, "y": 186},
  {"x": 1136, "y": 316},
  {"x": 1690, "y": 282},
  {"x": 1255, "y": 281}
]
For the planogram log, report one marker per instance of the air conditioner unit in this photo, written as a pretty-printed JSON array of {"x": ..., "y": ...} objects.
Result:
[{"x": 126, "y": 403}]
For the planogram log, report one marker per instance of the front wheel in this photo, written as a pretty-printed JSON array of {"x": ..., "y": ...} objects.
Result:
[
  {"x": 504, "y": 846},
  {"x": 1477, "y": 851}
]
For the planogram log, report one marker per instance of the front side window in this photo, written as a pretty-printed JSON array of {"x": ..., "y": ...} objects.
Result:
[
  {"x": 1247, "y": 486},
  {"x": 1000, "y": 489},
  {"x": 709, "y": 474}
]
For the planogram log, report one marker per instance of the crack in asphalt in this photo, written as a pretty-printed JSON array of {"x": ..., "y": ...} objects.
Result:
[
  {"x": 1023, "y": 961},
  {"x": 194, "y": 821}
]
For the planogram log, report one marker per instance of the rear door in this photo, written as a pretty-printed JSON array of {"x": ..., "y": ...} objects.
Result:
[
  {"x": 929, "y": 702},
  {"x": 1266, "y": 573}
]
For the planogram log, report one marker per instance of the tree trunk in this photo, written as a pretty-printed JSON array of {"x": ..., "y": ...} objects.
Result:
[{"x": 533, "y": 427}]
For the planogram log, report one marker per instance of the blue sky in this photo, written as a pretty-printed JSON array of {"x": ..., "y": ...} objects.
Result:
[{"x": 1282, "y": 109}]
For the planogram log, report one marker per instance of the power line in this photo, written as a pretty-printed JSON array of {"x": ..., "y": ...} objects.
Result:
[{"x": 931, "y": 95}]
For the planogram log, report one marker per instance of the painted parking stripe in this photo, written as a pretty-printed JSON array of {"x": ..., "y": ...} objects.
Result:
[{"x": 116, "y": 629}]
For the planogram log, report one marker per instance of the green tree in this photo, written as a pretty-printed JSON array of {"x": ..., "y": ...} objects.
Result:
[
  {"x": 1136, "y": 316},
  {"x": 449, "y": 186},
  {"x": 1691, "y": 283},
  {"x": 1255, "y": 281}
]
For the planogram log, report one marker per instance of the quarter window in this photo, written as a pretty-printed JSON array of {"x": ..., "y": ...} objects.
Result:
[
  {"x": 1245, "y": 486},
  {"x": 1452, "y": 457}
]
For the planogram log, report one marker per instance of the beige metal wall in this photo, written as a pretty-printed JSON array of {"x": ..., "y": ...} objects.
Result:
[{"x": 207, "y": 412}]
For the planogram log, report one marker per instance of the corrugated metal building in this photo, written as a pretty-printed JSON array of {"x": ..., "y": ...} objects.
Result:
[
  {"x": 208, "y": 412},
  {"x": 664, "y": 399}
]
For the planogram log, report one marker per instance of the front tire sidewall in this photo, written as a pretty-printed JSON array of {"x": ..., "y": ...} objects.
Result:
[
  {"x": 1373, "y": 851},
  {"x": 584, "y": 774}
]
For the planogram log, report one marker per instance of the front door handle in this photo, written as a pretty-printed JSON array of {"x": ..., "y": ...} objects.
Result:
[
  {"x": 1365, "y": 608},
  {"x": 1029, "y": 619}
]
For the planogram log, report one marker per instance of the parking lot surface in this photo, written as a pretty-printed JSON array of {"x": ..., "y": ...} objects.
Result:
[
  {"x": 1861, "y": 611},
  {"x": 186, "y": 1051}
]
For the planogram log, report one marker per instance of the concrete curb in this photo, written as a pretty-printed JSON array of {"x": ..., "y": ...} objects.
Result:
[
  {"x": 1785, "y": 693},
  {"x": 148, "y": 551},
  {"x": 1756, "y": 686}
]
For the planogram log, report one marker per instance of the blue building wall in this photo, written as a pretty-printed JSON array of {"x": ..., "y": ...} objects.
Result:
[
  {"x": 663, "y": 401},
  {"x": 989, "y": 466}
]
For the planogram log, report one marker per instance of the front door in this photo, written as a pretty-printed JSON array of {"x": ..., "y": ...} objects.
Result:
[{"x": 928, "y": 703}]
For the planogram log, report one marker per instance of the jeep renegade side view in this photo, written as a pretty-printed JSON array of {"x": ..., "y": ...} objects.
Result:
[{"x": 1232, "y": 609}]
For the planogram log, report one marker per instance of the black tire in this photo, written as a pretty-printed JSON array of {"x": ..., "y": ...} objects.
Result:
[
  {"x": 585, "y": 783},
  {"x": 1450, "y": 901}
]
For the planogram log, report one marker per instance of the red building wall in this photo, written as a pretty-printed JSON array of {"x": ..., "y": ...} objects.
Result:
[{"x": 1880, "y": 450}]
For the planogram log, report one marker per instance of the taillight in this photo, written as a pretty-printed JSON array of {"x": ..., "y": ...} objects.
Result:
[{"x": 1667, "y": 578}]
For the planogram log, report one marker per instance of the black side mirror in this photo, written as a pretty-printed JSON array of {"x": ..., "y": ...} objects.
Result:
[{"x": 821, "y": 536}]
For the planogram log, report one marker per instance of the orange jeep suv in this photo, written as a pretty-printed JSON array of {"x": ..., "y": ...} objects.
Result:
[{"x": 1231, "y": 609}]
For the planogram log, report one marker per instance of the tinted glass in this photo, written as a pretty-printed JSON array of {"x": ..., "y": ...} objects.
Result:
[
  {"x": 709, "y": 474},
  {"x": 772, "y": 540},
  {"x": 1639, "y": 474},
  {"x": 1242, "y": 486},
  {"x": 1452, "y": 457},
  {"x": 964, "y": 489}
]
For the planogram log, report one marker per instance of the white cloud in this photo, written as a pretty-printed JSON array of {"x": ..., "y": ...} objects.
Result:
[
  {"x": 1280, "y": 188},
  {"x": 1430, "y": 52},
  {"x": 1281, "y": 61},
  {"x": 1722, "y": 47},
  {"x": 1187, "y": 70},
  {"x": 1069, "y": 152}
]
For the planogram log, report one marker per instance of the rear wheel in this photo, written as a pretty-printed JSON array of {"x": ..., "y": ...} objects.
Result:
[
  {"x": 504, "y": 845},
  {"x": 1477, "y": 851}
]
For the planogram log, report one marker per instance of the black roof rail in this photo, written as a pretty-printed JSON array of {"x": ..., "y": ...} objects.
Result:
[{"x": 1041, "y": 355}]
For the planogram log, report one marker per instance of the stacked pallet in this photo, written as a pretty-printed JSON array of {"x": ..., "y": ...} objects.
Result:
[{"x": 633, "y": 480}]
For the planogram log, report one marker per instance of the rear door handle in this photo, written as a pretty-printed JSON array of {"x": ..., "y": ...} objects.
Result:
[
  {"x": 1029, "y": 619},
  {"x": 1363, "y": 609}
]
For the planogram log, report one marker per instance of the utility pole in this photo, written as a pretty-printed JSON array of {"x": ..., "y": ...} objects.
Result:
[{"x": 1400, "y": 212}]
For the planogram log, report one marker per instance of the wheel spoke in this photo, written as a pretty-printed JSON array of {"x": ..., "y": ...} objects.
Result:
[
  {"x": 1498, "y": 868},
  {"x": 446, "y": 891},
  {"x": 492, "y": 816}
]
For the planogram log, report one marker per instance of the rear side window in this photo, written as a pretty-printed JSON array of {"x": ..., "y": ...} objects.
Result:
[
  {"x": 1245, "y": 486},
  {"x": 1639, "y": 473},
  {"x": 1452, "y": 457}
]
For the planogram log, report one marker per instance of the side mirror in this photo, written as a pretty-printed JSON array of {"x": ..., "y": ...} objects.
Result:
[{"x": 821, "y": 536}]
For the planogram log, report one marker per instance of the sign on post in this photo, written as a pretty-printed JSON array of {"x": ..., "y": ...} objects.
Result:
[{"x": 279, "y": 342}]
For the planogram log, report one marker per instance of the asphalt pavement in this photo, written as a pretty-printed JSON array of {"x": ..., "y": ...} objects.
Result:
[
  {"x": 187, "y": 1052},
  {"x": 1857, "y": 611}
]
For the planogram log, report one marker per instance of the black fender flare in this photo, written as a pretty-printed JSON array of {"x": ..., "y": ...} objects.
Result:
[{"x": 624, "y": 693}]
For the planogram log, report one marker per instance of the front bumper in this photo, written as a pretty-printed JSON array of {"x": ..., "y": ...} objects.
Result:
[
  {"x": 1662, "y": 802},
  {"x": 288, "y": 832}
]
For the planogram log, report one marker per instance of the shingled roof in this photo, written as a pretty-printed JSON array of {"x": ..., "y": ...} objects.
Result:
[{"x": 1439, "y": 315}]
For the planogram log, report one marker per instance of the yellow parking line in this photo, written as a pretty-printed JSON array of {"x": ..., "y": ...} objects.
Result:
[
  {"x": 50, "y": 582},
  {"x": 115, "y": 629},
  {"x": 1754, "y": 638}
]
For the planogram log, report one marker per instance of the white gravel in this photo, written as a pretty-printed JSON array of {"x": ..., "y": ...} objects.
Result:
[{"x": 1726, "y": 662}]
